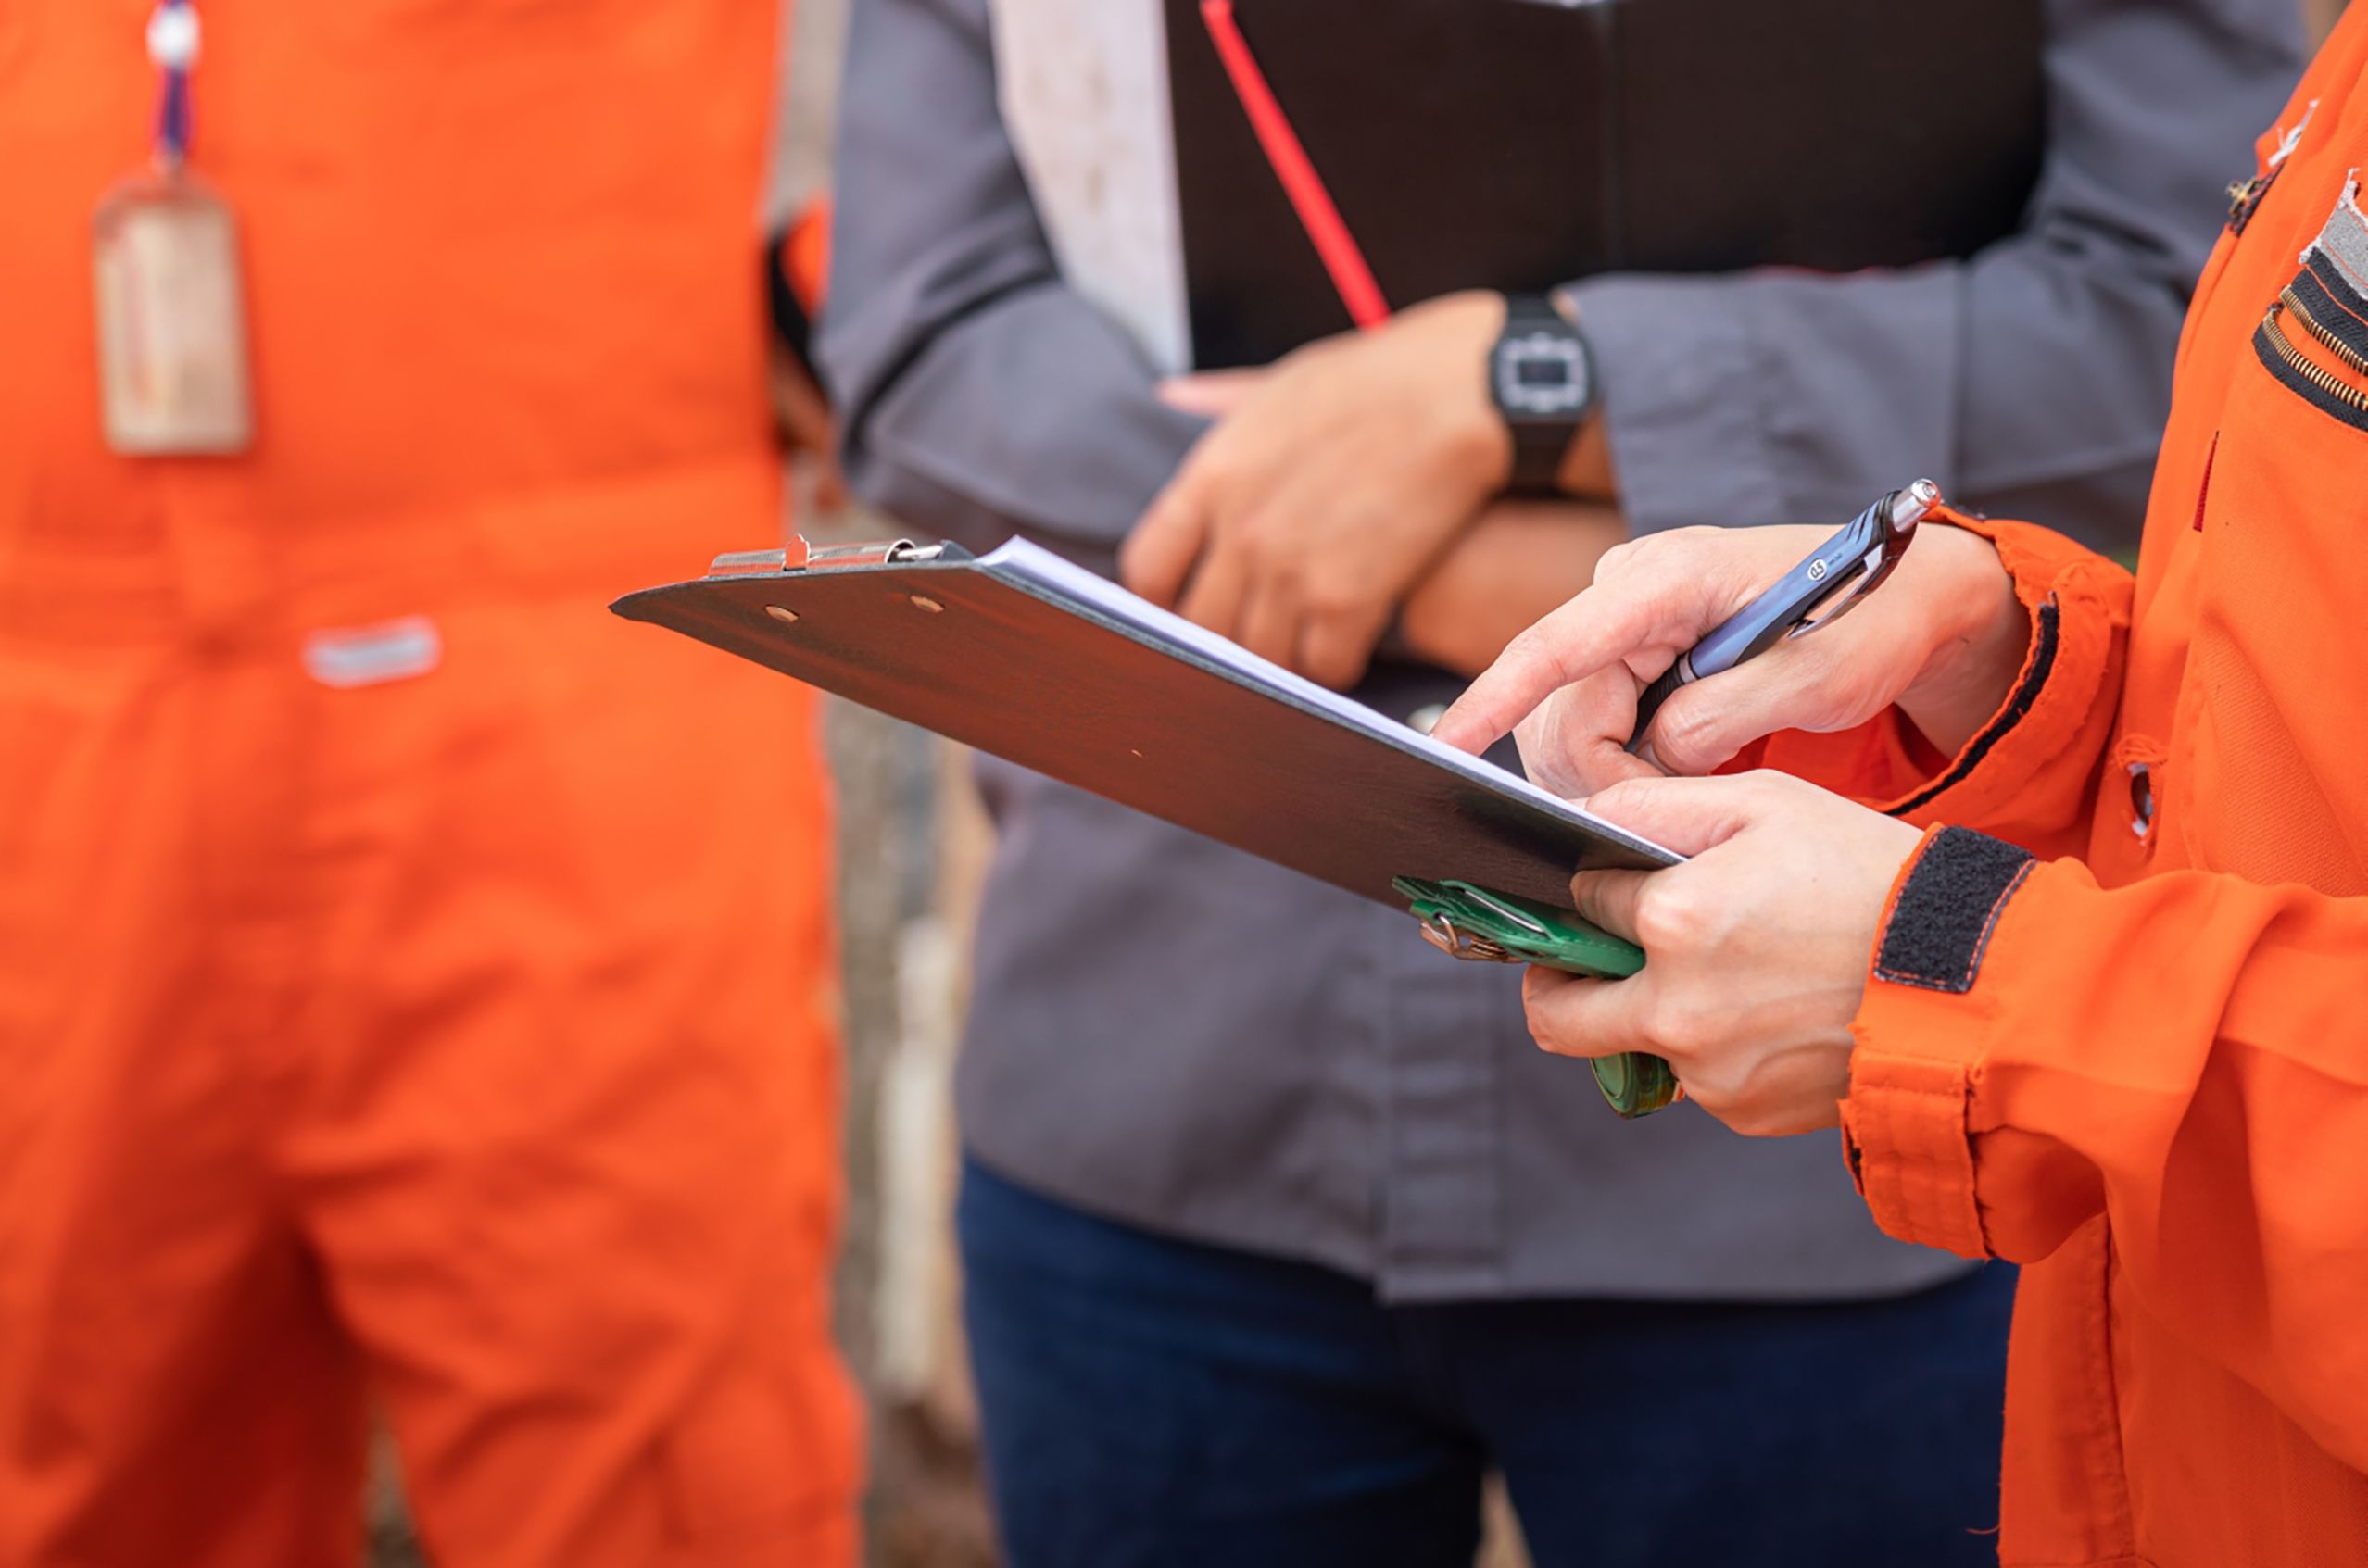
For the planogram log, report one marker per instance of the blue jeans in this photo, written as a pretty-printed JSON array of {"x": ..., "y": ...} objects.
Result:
[{"x": 1148, "y": 1401}]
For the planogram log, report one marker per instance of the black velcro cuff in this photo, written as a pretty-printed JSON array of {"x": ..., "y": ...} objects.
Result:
[{"x": 1950, "y": 902}]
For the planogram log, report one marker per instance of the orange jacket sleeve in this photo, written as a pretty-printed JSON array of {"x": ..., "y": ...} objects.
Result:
[
  {"x": 2035, "y": 1050},
  {"x": 2182, "y": 1054},
  {"x": 2029, "y": 774}
]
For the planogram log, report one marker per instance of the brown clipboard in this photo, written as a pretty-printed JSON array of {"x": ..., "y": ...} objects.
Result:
[{"x": 1022, "y": 656}]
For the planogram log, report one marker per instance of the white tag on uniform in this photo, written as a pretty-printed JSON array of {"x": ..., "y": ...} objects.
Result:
[
  {"x": 171, "y": 327},
  {"x": 349, "y": 657}
]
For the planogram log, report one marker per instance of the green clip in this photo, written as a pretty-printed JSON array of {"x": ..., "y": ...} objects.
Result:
[{"x": 1472, "y": 922}]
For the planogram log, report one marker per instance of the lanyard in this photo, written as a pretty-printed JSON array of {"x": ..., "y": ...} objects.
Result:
[
  {"x": 173, "y": 47},
  {"x": 1352, "y": 279}
]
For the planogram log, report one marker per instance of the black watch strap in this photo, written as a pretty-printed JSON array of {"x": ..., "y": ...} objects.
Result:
[
  {"x": 1538, "y": 451},
  {"x": 1540, "y": 442}
]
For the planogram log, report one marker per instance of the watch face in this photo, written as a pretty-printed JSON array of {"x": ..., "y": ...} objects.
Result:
[{"x": 1541, "y": 375}]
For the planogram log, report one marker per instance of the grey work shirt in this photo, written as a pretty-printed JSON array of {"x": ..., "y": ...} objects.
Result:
[{"x": 1171, "y": 1033}]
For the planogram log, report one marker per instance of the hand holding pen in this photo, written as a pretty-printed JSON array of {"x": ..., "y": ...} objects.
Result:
[
  {"x": 1834, "y": 578},
  {"x": 1731, "y": 607}
]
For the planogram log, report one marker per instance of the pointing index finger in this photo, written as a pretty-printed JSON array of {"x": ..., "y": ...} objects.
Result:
[{"x": 1570, "y": 645}]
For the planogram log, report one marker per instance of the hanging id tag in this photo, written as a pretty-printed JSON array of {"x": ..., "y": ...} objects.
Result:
[{"x": 171, "y": 323}]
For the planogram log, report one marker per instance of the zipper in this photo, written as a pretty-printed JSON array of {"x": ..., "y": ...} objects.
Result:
[
  {"x": 2310, "y": 369},
  {"x": 2334, "y": 345}
]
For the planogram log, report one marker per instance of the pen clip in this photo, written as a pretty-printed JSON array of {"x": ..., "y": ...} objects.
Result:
[{"x": 1893, "y": 522}]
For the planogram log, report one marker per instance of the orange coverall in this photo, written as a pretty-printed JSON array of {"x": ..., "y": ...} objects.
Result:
[
  {"x": 2144, "y": 1072},
  {"x": 414, "y": 982}
]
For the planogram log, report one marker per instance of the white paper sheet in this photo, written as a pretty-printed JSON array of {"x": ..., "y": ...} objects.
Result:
[{"x": 1032, "y": 564}]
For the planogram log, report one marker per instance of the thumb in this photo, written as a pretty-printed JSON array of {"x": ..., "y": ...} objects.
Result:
[{"x": 1686, "y": 816}]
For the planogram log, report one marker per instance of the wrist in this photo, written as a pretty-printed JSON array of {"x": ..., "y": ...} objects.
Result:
[
  {"x": 1982, "y": 638},
  {"x": 1515, "y": 564},
  {"x": 1467, "y": 326},
  {"x": 1586, "y": 469}
]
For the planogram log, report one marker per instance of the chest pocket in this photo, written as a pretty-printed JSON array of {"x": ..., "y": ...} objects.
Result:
[{"x": 2274, "y": 726}]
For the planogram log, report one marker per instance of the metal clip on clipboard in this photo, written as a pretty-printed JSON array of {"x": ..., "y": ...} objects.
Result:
[{"x": 804, "y": 556}]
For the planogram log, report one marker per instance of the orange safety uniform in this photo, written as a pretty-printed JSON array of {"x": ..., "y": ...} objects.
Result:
[
  {"x": 414, "y": 982},
  {"x": 2144, "y": 1072}
]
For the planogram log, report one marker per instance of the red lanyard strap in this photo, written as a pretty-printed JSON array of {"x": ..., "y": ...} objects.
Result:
[{"x": 1352, "y": 279}]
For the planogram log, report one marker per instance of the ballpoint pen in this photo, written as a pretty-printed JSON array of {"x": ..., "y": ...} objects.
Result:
[{"x": 1838, "y": 575}]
